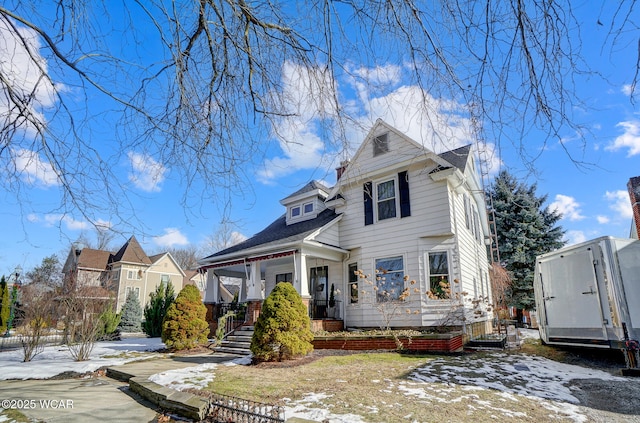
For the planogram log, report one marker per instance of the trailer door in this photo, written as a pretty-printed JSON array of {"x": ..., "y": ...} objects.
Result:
[{"x": 571, "y": 298}]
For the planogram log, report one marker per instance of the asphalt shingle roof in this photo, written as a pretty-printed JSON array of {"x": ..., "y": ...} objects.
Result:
[
  {"x": 279, "y": 232},
  {"x": 458, "y": 157},
  {"x": 131, "y": 252}
]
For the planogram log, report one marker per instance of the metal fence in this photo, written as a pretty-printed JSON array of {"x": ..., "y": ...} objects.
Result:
[
  {"x": 224, "y": 408},
  {"x": 15, "y": 341}
]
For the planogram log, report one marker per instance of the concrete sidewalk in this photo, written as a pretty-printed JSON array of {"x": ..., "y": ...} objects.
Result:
[{"x": 95, "y": 399}]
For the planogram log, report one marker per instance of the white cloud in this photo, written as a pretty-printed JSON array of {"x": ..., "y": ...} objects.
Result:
[
  {"x": 440, "y": 125},
  {"x": 55, "y": 219},
  {"x": 34, "y": 170},
  {"x": 627, "y": 89},
  {"x": 147, "y": 173},
  {"x": 620, "y": 203},
  {"x": 567, "y": 206},
  {"x": 236, "y": 238},
  {"x": 171, "y": 238},
  {"x": 629, "y": 139},
  {"x": 574, "y": 237},
  {"x": 603, "y": 219},
  {"x": 25, "y": 71}
]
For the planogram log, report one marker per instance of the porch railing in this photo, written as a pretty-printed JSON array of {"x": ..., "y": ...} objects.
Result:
[
  {"x": 320, "y": 309},
  {"x": 239, "y": 311}
]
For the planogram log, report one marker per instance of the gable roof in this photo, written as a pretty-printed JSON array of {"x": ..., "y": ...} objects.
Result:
[
  {"x": 93, "y": 259},
  {"x": 279, "y": 232},
  {"x": 457, "y": 158},
  {"x": 131, "y": 252},
  {"x": 309, "y": 187}
]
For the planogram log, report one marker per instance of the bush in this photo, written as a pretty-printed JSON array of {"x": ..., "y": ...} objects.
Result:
[
  {"x": 156, "y": 309},
  {"x": 131, "y": 316},
  {"x": 283, "y": 329},
  {"x": 5, "y": 306},
  {"x": 108, "y": 324},
  {"x": 185, "y": 324}
]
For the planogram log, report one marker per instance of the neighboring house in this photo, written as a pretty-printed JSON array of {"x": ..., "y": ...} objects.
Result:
[
  {"x": 127, "y": 270},
  {"x": 416, "y": 217}
]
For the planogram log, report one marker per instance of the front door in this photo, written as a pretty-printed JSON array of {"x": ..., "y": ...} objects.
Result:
[{"x": 319, "y": 291}]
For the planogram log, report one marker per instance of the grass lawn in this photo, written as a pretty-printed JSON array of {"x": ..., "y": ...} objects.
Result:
[{"x": 377, "y": 387}]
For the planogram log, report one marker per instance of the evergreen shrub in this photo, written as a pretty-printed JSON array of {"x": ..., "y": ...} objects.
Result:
[
  {"x": 283, "y": 329},
  {"x": 185, "y": 324}
]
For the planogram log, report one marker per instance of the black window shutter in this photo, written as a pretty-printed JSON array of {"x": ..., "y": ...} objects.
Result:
[
  {"x": 368, "y": 203},
  {"x": 403, "y": 188}
]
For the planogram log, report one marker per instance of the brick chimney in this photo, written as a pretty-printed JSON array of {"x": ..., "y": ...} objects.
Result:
[
  {"x": 343, "y": 167},
  {"x": 634, "y": 195}
]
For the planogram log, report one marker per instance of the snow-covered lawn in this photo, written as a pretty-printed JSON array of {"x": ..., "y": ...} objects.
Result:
[
  {"x": 441, "y": 380},
  {"x": 57, "y": 359}
]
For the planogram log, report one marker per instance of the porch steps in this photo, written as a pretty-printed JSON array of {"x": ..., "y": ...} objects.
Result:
[{"x": 239, "y": 342}]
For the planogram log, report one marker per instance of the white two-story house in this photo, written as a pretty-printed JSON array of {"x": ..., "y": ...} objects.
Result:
[{"x": 401, "y": 236}]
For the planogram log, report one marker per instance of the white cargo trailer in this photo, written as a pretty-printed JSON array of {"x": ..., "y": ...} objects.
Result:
[{"x": 588, "y": 294}]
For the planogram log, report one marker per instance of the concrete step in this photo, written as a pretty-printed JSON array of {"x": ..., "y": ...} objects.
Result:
[
  {"x": 231, "y": 350},
  {"x": 233, "y": 344},
  {"x": 239, "y": 338}
]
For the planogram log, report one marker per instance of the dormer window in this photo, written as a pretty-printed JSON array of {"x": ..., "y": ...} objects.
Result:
[
  {"x": 380, "y": 145},
  {"x": 295, "y": 212},
  {"x": 308, "y": 208}
]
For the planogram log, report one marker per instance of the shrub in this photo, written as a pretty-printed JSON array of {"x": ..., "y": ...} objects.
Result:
[
  {"x": 283, "y": 329},
  {"x": 108, "y": 324},
  {"x": 185, "y": 324},
  {"x": 131, "y": 317},
  {"x": 156, "y": 309},
  {"x": 5, "y": 306}
]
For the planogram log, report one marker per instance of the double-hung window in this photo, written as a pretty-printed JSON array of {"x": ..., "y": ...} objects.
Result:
[
  {"x": 439, "y": 283},
  {"x": 389, "y": 278},
  {"x": 386, "y": 199},
  {"x": 353, "y": 282}
]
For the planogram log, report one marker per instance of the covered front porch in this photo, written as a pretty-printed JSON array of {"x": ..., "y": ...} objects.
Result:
[{"x": 314, "y": 270}]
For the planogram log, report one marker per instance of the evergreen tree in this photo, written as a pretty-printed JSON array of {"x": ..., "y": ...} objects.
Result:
[
  {"x": 131, "y": 316},
  {"x": 525, "y": 229},
  {"x": 5, "y": 306},
  {"x": 283, "y": 329},
  {"x": 156, "y": 309},
  {"x": 185, "y": 325}
]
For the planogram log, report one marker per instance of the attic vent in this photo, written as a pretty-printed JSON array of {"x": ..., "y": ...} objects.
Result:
[{"x": 380, "y": 145}]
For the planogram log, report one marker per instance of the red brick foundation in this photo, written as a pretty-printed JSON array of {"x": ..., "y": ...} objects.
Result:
[
  {"x": 433, "y": 343},
  {"x": 254, "y": 307}
]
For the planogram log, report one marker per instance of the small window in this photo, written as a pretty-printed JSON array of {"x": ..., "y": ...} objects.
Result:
[
  {"x": 308, "y": 208},
  {"x": 165, "y": 279},
  {"x": 353, "y": 282},
  {"x": 386, "y": 198},
  {"x": 284, "y": 277},
  {"x": 133, "y": 275},
  {"x": 439, "y": 283},
  {"x": 135, "y": 291},
  {"x": 389, "y": 278},
  {"x": 295, "y": 211},
  {"x": 380, "y": 145}
]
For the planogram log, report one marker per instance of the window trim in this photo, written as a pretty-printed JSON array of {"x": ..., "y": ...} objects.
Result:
[
  {"x": 428, "y": 271},
  {"x": 402, "y": 278},
  {"x": 352, "y": 279},
  {"x": 380, "y": 144}
]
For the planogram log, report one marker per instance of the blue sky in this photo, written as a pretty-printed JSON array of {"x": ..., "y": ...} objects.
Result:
[{"x": 591, "y": 195}]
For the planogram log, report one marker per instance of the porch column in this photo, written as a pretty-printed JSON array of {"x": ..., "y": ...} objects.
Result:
[
  {"x": 301, "y": 282},
  {"x": 255, "y": 283},
  {"x": 242, "y": 296},
  {"x": 212, "y": 288},
  {"x": 254, "y": 294}
]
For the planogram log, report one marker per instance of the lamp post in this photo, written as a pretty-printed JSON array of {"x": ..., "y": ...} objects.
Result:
[{"x": 14, "y": 298}]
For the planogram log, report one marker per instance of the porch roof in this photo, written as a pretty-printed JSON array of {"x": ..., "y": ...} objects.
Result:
[{"x": 274, "y": 236}]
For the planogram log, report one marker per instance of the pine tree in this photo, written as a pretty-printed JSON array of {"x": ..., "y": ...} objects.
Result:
[
  {"x": 525, "y": 229},
  {"x": 156, "y": 309},
  {"x": 185, "y": 324},
  {"x": 283, "y": 329},
  {"x": 5, "y": 306},
  {"x": 131, "y": 316}
]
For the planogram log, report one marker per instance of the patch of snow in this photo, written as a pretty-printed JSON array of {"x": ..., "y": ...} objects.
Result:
[
  {"x": 197, "y": 377},
  {"x": 57, "y": 359}
]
